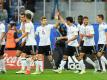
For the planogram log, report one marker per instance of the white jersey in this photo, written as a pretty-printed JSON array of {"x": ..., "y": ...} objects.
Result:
[
  {"x": 87, "y": 30},
  {"x": 22, "y": 28},
  {"x": 44, "y": 34},
  {"x": 71, "y": 32},
  {"x": 78, "y": 26},
  {"x": 2, "y": 29},
  {"x": 102, "y": 36},
  {"x": 30, "y": 40}
]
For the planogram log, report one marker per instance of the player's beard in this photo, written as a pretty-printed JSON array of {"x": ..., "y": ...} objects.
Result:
[{"x": 85, "y": 24}]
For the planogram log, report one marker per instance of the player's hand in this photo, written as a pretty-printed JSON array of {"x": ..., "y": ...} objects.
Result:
[
  {"x": 17, "y": 40},
  {"x": 68, "y": 42},
  {"x": 78, "y": 45},
  {"x": 58, "y": 38},
  {"x": 23, "y": 43},
  {"x": 83, "y": 35},
  {"x": 56, "y": 15}
]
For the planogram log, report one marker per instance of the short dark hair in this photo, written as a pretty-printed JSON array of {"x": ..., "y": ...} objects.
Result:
[
  {"x": 80, "y": 16},
  {"x": 69, "y": 19},
  {"x": 43, "y": 17},
  {"x": 22, "y": 13},
  {"x": 101, "y": 16},
  {"x": 28, "y": 16},
  {"x": 85, "y": 17}
]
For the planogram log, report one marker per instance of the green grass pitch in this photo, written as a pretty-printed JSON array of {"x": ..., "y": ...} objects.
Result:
[{"x": 50, "y": 75}]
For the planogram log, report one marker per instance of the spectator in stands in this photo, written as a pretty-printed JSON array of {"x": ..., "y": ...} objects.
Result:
[
  {"x": 15, "y": 16},
  {"x": 22, "y": 9},
  {"x": 6, "y": 6},
  {"x": 3, "y": 12},
  {"x": 31, "y": 4}
]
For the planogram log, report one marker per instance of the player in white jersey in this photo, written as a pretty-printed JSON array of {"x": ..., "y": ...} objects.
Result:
[
  {"x": 30, "y": 46},
  {"x": 2, "y": 46},
  {"x": 102, "y": 41},
  {"x": 80, "y": 21},
  {"x": 30, "y": 12},
  {"x": 72, "y": 43},
  {"x": 87, "y": 34},
  {"x": 75, "y": 57},
  {"x": 44, "y": 44},
  {"x": 21, "y": 47}
]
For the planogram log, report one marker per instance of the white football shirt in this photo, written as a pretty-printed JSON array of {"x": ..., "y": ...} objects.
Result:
[
  {"x": 30, "y": 40},
  {"x": 71, "y": 32},
  {"x": 2, "y": 29},
  {"x": 44, "y": 34},
  {"x": 22, "y": 28},
  {"x": 102, "y": 36},
  {"x": 87, "y": 30}
]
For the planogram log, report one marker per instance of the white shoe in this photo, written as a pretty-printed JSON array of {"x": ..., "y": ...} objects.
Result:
[
  {"x": 104, "y": 71},
  {"x": 20, "y": 72},
  {"x": 54, "y": 67},
  {"x": 36, "y": 73},
  {"x": 95, "y": 71},
  {"x": 82, "y": 72},
  {"x": 76, "y": 71},
  {"x": 58, "y": 71}
]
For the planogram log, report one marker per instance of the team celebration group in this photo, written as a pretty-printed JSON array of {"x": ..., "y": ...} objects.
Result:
[{"x": 78, "y": 43}]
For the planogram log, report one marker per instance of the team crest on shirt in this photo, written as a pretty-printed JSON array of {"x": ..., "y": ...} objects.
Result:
[{"x": 43, "y": 31}]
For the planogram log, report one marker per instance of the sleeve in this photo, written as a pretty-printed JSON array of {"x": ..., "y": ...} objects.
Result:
[
  {"x": 3, "y": 28},
  {"x": 51, "y": 26},
  {"x": 27, "y": 28},
  {"x": 79, "y": 27},
  {"x": 91, "y": 30}
]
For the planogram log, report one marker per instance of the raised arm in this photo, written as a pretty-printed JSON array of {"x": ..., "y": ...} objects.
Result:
[{"x": 61, "y": 19}]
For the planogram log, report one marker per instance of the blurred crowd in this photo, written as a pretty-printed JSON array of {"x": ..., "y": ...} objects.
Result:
[{"x": 9, "y": 9}]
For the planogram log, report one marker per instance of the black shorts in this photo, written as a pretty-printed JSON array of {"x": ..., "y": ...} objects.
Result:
[
  {"x": 101, "y": 47},
  {"x": 88, "y": 49},
  {"x": 21, "y": 48},
  {"x": 29, "y": 50},
  {"x": 70, "y": 51},
  {"x": 2, "y": 48},
  {"x": 46, "y": 50}
]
